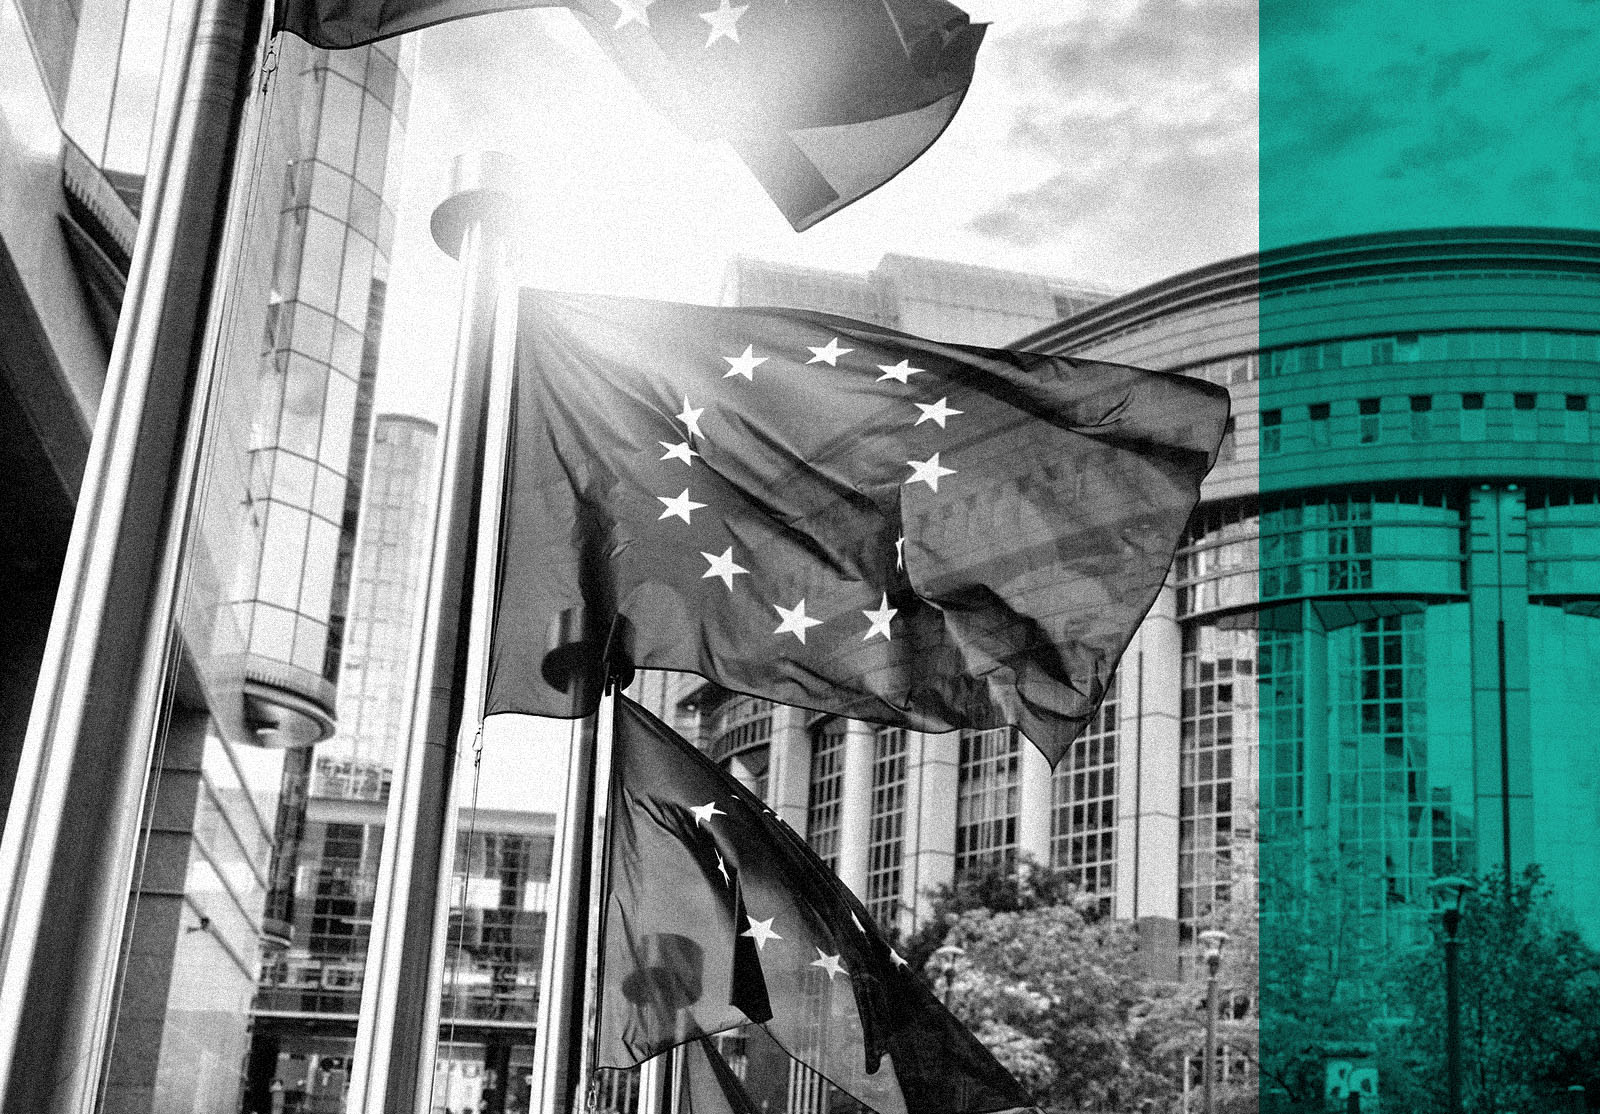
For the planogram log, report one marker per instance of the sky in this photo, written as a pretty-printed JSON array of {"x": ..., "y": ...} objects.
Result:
[{"x": 1108, "y": 143}]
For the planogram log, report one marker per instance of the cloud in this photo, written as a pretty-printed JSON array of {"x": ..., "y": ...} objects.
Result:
[
  {"x": 1412, "y": 116},
  {"x": 1145, "y": 117}
]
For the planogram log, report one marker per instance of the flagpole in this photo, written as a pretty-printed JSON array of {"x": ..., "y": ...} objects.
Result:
[
  {"x": 96, "y": 717},
  {"x": 589, "y": 1028},
  {"x": 397, "y": 1031},
  {"x": 563, "y": 1061}
]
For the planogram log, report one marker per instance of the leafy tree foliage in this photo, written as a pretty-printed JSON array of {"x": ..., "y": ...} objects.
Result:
[
  {"x": 1530, "y": 1005},
  {"x": 1062, "y": 996}
]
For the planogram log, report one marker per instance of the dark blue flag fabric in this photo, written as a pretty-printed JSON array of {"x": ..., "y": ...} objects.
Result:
[
  {"x": 717, "y": 915},
  {"x": 837, "y": 515},
  {"x": 824, "y": 100},
  {"x": 709, "y": 1085}
]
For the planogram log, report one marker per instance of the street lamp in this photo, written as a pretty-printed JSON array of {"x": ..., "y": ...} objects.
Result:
[
  {"x": 1449, "y": 898},
  {"x": 1213, "y": 939},
  {"x": 947, "y": 954}
]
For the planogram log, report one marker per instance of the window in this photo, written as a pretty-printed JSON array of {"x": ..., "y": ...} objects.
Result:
[
  {"x": 1576, "y": 420},
  {"x": 988, "y": 798},
  {"x": 1524, "y": 416},
  {"x": 1421, "y": 405},
  {"x": 1083, "y": 822},
  {"x": 886, "y": 844},
  {"x": 1219, "y": 690},
  {"x": 1229, "y": 449},
  {"x": 1319, "y": 425},
  {"x": 826, "y": 791},
  {"x": 1271, "y": 431},
  {"x": 1370, "y": 421},
  {"x": 1472, "y": 423}
]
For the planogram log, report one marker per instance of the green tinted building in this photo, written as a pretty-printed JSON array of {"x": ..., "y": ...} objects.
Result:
[{"x": 1389, "y": 600}]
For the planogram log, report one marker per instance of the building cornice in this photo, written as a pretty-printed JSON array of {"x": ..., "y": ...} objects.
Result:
[{"x": 1375, "y": 257}]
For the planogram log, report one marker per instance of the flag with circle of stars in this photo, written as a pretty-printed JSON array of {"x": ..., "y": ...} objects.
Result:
[
  {"x": 824, "y": 100},
  {"x": 714, "y": 908},
  {"x": 838, "y": 516}
]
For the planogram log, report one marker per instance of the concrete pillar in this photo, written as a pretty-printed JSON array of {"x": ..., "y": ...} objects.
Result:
[
  {"x": 855, "y": 806},
  {"x": 1497, "y": 586},
  {"x": 1149, "y": 714},
  {"x": 1036, "y": 804},
  {"x": 930, "y": 860},
  {"x": 789, "y": 765}
]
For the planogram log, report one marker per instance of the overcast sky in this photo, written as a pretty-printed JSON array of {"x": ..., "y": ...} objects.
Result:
[{"x": 1107, "y": 142}]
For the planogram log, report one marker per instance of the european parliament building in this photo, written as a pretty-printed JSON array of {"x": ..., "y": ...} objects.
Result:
[
  {"x": 1377, "y": 646},
  {"x": 1380, "y": 638}
]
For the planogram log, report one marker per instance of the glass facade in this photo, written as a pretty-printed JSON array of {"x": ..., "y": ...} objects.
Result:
[
  {"x": 988, "y": 797},
  {"x": 312, "y": 419},
  {"x": 741, "y": 734},
  {"x": 1216, "y": 753},
  {"x": 826, "y": 790},
  {"x": 124, "y": 60},
  {"x": 886, "y": 849},
  {"x": 1083, "y": 818}
]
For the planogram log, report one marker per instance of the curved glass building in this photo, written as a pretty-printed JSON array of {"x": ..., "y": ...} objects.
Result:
[
  {"x": 1389, "y": 601},
  {"x": 1381, "y": 636}
]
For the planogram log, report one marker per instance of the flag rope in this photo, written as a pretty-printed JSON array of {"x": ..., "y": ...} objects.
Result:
[{"x": 466, "y": 878}]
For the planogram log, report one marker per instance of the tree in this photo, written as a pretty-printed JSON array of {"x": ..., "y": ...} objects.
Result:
[
  {"x": 1319, "y": 977},
  {"x": 997, "y": 887},
  {"x": 1053, "y": 993},
  {"x": 1059, "y": 992},
  {"x": 1530, "y": 1004}
]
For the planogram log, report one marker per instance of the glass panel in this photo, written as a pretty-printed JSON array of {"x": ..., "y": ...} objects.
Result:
[
  {"x": 134, "y": 102},
  {"x": 254, "y": 905},
  {"x": 282, "y": 554},
  {"x": 341, "y": 119}
]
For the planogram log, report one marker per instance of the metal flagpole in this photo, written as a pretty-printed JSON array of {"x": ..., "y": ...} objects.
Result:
[
  {"x": 97, "y": 710},
  {"x": 560, "y": 1053},
  {"x": 397, "y": 1031}
]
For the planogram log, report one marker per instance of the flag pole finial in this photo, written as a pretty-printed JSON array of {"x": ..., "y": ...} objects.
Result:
[{"x": 487, "y": 187}]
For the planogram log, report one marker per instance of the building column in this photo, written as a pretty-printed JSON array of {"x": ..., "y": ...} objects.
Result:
[
  {"x": 1037, "y": 804},
  {"x": 930, "y": 862},
  {"x": 1497, "y": 587},
  {"x": 1149, "y": 720},
  {"x": 855, "y": 806},
  {"x": 789, "y": 765}
]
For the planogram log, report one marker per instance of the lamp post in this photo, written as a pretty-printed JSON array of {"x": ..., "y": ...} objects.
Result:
[
  {"x": 1450, "y": 897},
  {"x": 1213, "y": 939},
  {"x": 947, "y": 954}
]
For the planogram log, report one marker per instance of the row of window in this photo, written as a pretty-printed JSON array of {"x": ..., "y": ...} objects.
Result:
[
  {"x": 1425, "y": 425},
  {"x": 1401, "y": 348}
]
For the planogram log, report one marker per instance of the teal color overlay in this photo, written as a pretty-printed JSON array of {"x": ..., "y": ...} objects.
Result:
[
  {"x": 1389, "y": 114},
  {"x": 1428, "y": 639}
]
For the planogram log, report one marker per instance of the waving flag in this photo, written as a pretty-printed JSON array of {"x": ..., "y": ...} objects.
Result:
[
  {"x": 717, "y": 915},
  {"x": 836, "y": 515},
  {"x": 824, "y": 100}
]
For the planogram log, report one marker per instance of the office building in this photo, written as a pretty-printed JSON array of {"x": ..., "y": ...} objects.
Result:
[
  {"x": 1386, "y": 603},
  {"x": 86, "y": 89},
  {"x": 935, "y": 298},
  {"x": 1377, "y": 637}
]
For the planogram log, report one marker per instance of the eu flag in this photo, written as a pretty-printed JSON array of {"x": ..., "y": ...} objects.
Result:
[
  {"x": 837, "y": 515},
  {"x": 717, "y": 915},
  {"x": 824, "y": 100}
]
